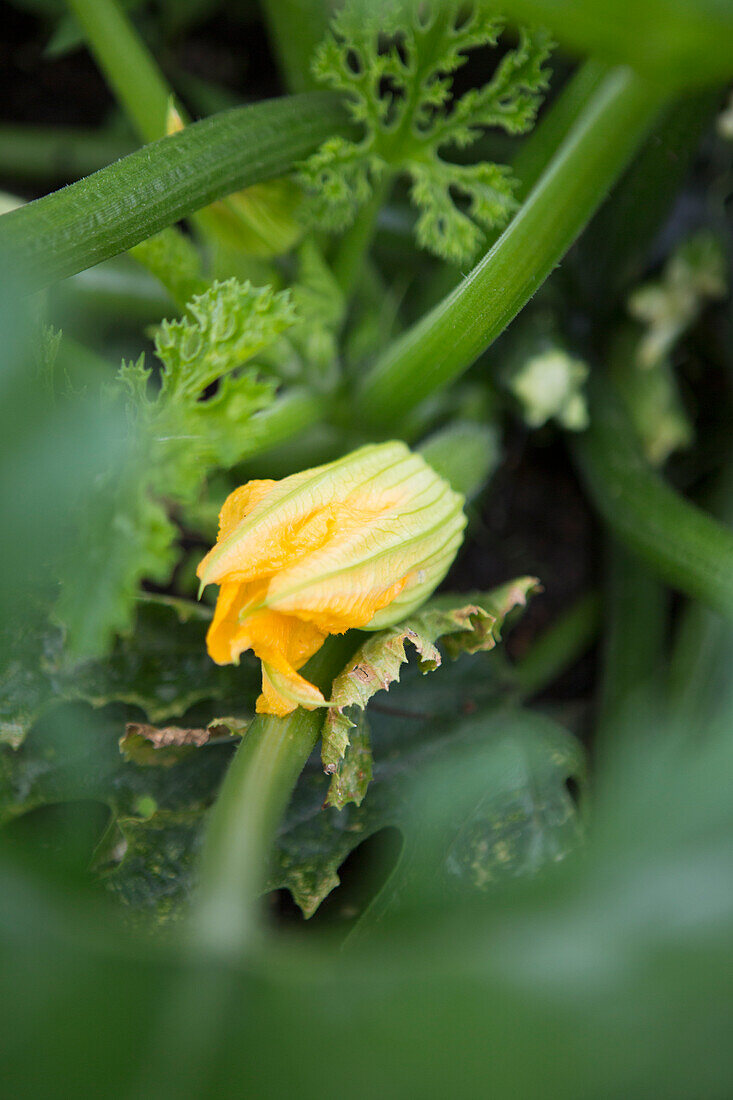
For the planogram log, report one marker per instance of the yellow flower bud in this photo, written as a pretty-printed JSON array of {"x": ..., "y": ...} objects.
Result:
[{"x": 360, "y": 542}]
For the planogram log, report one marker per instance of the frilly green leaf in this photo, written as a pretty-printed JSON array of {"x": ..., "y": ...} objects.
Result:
[
  {"x": 393, "y": 60},
  {"x": 228, "y": 324},
  {"x": 461, "y": 623}
]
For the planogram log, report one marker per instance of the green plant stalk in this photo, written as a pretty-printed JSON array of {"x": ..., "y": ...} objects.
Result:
[
  {"x": 700, "y": 685},
  {"x": 532, "y": 158},
  {"x": 225, "y": 921},
  {"x": 244, "y": 820},
  {"x": 635, "y": 611},
  {"x": 119, "y": 206},
  {"x": 560, "y": 645},
  {"x": 615, "y": 248},
  {"x": 242, "y": 826},
  {"x": 444, "y": 344},
  {"x": 288, "y": 417},
  {"x": 538, "y": 149},
  {"x": 680, "y": 543},
  {"x": 127, "y": 64},
  {"x": 56, "y": 152},
  {"x": 354, "y": 245},
  {"x": 296, "y": 28}
]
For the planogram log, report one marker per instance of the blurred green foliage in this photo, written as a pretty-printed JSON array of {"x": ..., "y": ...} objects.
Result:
[{"x": 536, "y": 900}]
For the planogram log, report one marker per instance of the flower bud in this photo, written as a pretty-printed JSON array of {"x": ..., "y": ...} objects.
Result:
[{"x": 360, "y": 542}]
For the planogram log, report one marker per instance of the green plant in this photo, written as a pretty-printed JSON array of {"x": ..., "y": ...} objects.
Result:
[{"x": 512, "y": 913}]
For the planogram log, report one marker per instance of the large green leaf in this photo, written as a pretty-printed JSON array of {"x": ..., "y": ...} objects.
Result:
[
  {"x": 161, "y": 667},
  {"x": 156, "y": 811},
  {"x": 524, "y": 820},
  {"x": 609, "y": 977}
]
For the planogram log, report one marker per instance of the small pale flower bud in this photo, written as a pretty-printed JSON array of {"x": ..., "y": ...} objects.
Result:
[{"x": 360, "y": 542}]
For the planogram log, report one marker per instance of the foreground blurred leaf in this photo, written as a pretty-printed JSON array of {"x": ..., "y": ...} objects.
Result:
[
  {"x": 609, "y": 977},
  {"x": 156, "y": 812},
  {"x": 678, "y": 42}
]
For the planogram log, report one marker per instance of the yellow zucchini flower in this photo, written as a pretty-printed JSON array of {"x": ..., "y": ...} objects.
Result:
[{"x": 360, "y": 542}]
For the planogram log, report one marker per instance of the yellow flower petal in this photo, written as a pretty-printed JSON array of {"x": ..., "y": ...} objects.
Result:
[
  {"x": 283, "y": 692},
  {"x": 360, "y": 542}
]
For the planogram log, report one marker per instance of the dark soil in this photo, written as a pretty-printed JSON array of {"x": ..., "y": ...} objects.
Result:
[{"x": 66, "y": 91}]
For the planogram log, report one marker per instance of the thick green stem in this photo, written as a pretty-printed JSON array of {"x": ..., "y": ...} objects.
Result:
[
  {"x": 116, "y": 208},
  {"x": 127, "y": 64},
  {"x": 636, "y": 608},
  {"x": 296, "y": 28},
  {"x": 287, "y": 418},
  {"x": 614, "y": 250},
  {"x": 538, "y": 149},
  {"x": 447, "y": 341},
  {"x": 225, "y": 919},
  {"x": 680, "y": 543},
  {"x": 354, "y": 245},
  {"x": 56, "y": 152},
  {"x": 700, "y": 682},
  {"x": 560, "y": 646},
  {"x": 244, "y": 820}
]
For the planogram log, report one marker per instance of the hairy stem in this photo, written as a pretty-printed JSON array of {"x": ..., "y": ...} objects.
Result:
[
  {"x": 538, "y": 149},
  {"x": 441, "y": 346},
  {"x": 119, "y": 206},
  {"x": 244, "y": 820}
]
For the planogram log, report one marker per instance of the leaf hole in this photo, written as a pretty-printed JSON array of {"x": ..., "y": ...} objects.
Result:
[
  {"x": 362, "y": 875},
  {"x": 353, "y": 62},
  {"x": 464, "y": 17},
  {"x": 423, "y": 16},
  {"x": 573, "y": 788}
]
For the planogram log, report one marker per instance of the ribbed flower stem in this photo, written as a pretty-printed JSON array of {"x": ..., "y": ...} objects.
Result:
[{"x": 250, "y": 806}]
